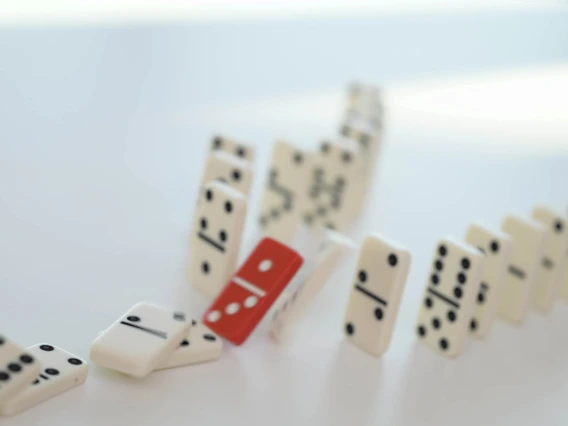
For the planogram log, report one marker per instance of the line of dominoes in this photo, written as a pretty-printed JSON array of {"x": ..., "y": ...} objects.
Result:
[{"x": 492, "y": 273}]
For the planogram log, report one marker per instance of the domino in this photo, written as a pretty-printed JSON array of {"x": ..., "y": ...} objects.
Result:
[
  {"x": 285, "y": 196},
  {"x": 564, "y": 279},
  {"x": 364, "y": 101},
  {"x": 333, "y": 193},
  {"x": 367, "y": 137},
  {"x": 527, "y": 237},
  {"x": 550, "y": 267},
  {"x": 496, "y": 246},
  {"x": 241, "y": 150},
  {"x": 332, "y": 252},
  {"x": 201, "y": 345},
  {"x": 362, "y": 93},
  {"x": 224, "y": 167},
  {"x": 378, "y": 285},
  {"x": 242, "y": 304},
  {"x": 216, "y": 237},
  {"x": 140, "y": 340},
  {"x": 358, "y": 88},
  {"x": 62, "y": 371},
  {"x": 449, "y": 298},
  {"x": 18, "y": 368}
]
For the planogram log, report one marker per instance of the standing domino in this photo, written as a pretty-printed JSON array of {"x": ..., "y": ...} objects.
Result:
[
  {"x": 201, "y": 345},
  {"x": 333, "y": 195},
  {"x": 246, "y": 152},
  {"x": 140, "y": 340},
  {"x": 18, "y": 368},
  {"x": 450, "y": 296},
  {"x": 527, "y": 237},
  {"x": 379, "y": 283},
  {"x": 227, "y": 168},
  {"x": 285, "y": 195},
  {"x": 549, "y": 270},
  {"x": 62, "y": 371},
  {"x": 364, "y": 101},
  {"x": 367, "y": 136},
  {"x": 251, "y": 292},
  {"x": 218, "y": 228},
  {"x": 497, "y": 249},
  {"x": 332, "y": 251},
  {"x": 564, "y": 278}
]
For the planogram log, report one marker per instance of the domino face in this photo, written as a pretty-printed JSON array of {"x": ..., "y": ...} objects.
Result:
[
  {"x": 216, "y": 240},
  {"x": 332, "y": 252},
  {"x": 251, "y": 292},
  {"x": 378, "y": 285},
  {"x": 358, "y": 88},
  {"x": 285, "y": 196},
  {"x": 61, "y": 371},
  {"x": 367, "y": 137},
  {"x": 550, "y": 268},
  {"x": 564, "y": 280},
  {"x": 450, "y": 295},
  {"x": 333, "y": 193},
  {"x": 527, "y": 238},
  {"x": 364, "y": 101},
  {"x": 201, "y": 345},
  {"x": 229, "y": 169},
  {"x": 18, "y": 368},
  {"x": 241, "y": 150},
  {"x": 140, "y": 340},
  {"x": 497, "y": 249}
]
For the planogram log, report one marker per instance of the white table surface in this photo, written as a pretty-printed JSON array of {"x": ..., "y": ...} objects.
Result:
[{"x": 95, "y": 212}]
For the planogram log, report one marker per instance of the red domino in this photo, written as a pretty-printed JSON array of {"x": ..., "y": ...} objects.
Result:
[{"x": 244, "y": 301}]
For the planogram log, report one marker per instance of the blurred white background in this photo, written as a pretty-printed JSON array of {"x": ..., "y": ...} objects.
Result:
[
  {"x": 107, "y": 111},
  {"x": 124, "y": 11}
]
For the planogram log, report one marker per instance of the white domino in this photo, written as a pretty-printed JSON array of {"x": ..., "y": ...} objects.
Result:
[
  {"x": 241, "y": 150},
  {"x": 140, "y": 340},
  {"x": 564, "y": 281},
  {"x": 528, "y": 238},
  {"x": 61, "y": 372},
  {"x": 497, "y": 249},
  {"x": 201, "y": 345},
  {"x": 367, "y": 137},
  {"x": 364, "y": 101},
  {"x": 224, "y": 167},
  {"x": 451, "y": 289},
  {"x": 216, "y": 237},
  {"x": 551, "y": 266},
  {"x": 285, "y": 195},
  {"x": 333, "y": 189},
  {"x": 378, "y": 285},
  {"x": 18, "y": 368},
  {"x": 564, "y": 278},
  {"x": 333, "y": 251}
]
